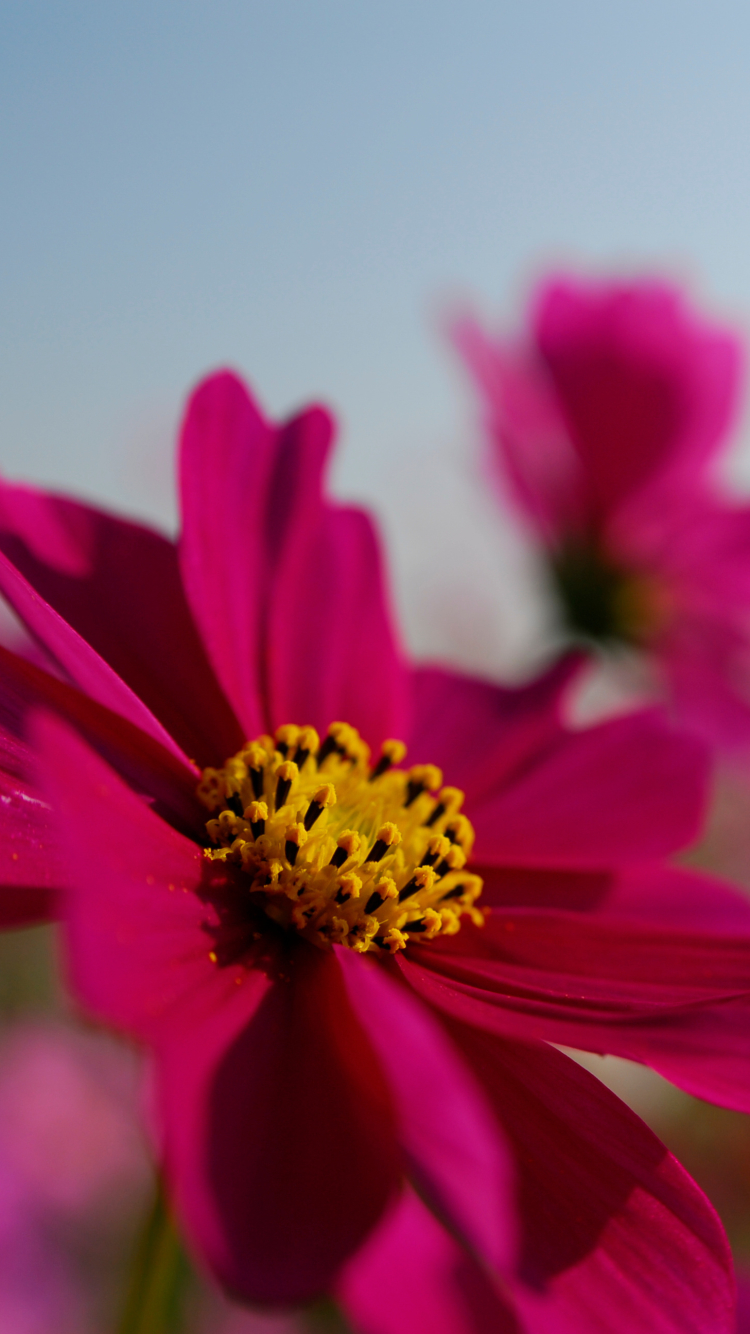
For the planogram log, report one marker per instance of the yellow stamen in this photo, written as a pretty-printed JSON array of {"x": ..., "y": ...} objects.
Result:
[{"x": 372, "y": 857}]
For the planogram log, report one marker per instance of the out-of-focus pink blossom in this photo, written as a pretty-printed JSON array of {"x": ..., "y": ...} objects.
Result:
[
  {"x": 69, "y": 1147},
  {"x": 69, "y": 1104},
  {"x": 608, "y": 417},
  {"x": 239, "y": 1321}
]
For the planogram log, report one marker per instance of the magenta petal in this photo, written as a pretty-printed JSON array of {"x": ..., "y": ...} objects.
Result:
[
  {"x": 480, "y": 733},
  {"x": 653, "y": 893},
  {"x": 30, "y": 874},
  {"x": 616, "y": 1236},
  {"x": 80, "y": 663},
  {"x": 452, "y": 1142},
  {"x": 331, "y": 647},
  {"x": 281, "y": 1145},
  {"x": 29, "y": 871},
  {"x": 433, "y": 1284},
  {"x": 286, "y": 588},
  {"x": 678, "y": 1001},
  {"x": 543, "y": 887},
  {"x": 526, "y": 425},
  {"x": 645, "y": 389},
  {"x": 625, "y": 791},
  {"x": 118, "y": 585},
  {"x": 226, "y": 460},
  {"x": 676, "y": 897},
  {"x": 138, "y": 948},
  {"x": 148, "y": 767}
]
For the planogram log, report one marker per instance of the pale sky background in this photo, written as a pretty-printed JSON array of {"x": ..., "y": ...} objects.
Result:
[{"x": 301, "y": 190}]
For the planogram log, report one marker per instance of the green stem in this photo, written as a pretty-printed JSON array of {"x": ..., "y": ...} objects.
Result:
[
  {"x": 158, "y": 1278},
  {"x": 325, "y": 1317}
]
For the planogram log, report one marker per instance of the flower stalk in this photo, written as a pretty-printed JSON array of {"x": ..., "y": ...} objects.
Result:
[{"x": 159, "y": 1277}]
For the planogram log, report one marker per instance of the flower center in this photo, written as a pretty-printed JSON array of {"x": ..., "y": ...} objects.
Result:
[
  {"x": 601, "y": 600},
  {"x": 344, "y": 851}
]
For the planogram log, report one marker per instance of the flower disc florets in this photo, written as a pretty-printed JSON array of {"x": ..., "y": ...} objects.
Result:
[{"x": 346, "y": 852}]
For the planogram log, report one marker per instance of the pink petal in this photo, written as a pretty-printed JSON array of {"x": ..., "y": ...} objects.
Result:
[
  {"x": 79, "y": 662},
  {"x": 524, "y": 422},
  {"x": 451, "y": 1140},
  {"x": 227, "y": 454},
  {"x": 644, "y": 386},
  {"x": 286, "y": 588},
  {"x": 281, "y": 1145},
  {"x": 480, "y": 733},
  {"x": 29, "y": 870},
  {"x": 268, "y": 1089},
  {"x": 543, "y": 887},
  {"x": 616, "y": 1235},
  {"x": 676, "y": 1000},
  {"x": 652, "y": 893},
  {"x": 148, "y": 767},
  {"x": 118, "y": 585},
  {"x": 332, "y": 652},
  {"x": 673, "y": 897},
  {"x": 137, "y": 944},
  {"x": 627, "y": 790},
  {"x": 433, "y": 1284}
]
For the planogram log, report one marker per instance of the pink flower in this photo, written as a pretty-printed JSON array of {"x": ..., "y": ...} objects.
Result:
[
  {"x": 341, "y": 1105},
  {"x": 69, "y": 1111},
  {"x": 607, "y": 420},
  {"x": 69, "y": 1150}
]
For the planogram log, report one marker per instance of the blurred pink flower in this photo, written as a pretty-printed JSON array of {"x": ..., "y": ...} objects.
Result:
[
  {"x": 608, "y": 418},
  {"x": 39, "y": 1293},
  {"x": 69, "y": 1117},
  {"x": 69, "y": 1146},
  {"x": 241, "y": 1321},
  {"x": 310, "y": 1095}
]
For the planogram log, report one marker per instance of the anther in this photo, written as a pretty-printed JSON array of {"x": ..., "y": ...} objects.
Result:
[
  {"x": 385, "y": 890},
  {"x": 333, "y": 742},
  {"x": 325, "y": 796},
  {"x": 436, "y": 848},
  {"x": 295, "y": 836},
  {"x": 256, "y": 758},
  {"x": 450, "y": 800},
  {"x": 286, "y": 738},
  {"x": 419, "y": 779},
  {"x": 285, "y": 776},
  {"x": 389, "y": 836},
  {"x": 257, "y": 814},
  {"x": 347, "y": 845},
  {"x": 392, "y": 753},
  {"x": 307, "y": 744},
  {"x": 423, "y": 878},
  {"x": 453, "y": 893},
  {"x": 454, "y": 860},
  {"x": 459, "y": 831},
  {"x": 350, "y": 886}
]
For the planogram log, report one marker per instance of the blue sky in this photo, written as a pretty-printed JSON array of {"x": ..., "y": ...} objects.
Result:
[{"x": 301, "y": 189}]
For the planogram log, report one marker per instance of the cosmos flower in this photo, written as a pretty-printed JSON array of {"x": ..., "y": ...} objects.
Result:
[
  {"x": 349, "y": 970},
  {"x": 69, "y": 1147},
  {"x": 607, "y": 420}
]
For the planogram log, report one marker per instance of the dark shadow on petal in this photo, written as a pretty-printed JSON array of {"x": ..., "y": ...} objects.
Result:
[
  {"x": 126, "y": 600},
  {"x": 302, "y": 1152},
  {"x": 580, "y": 1152}
]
